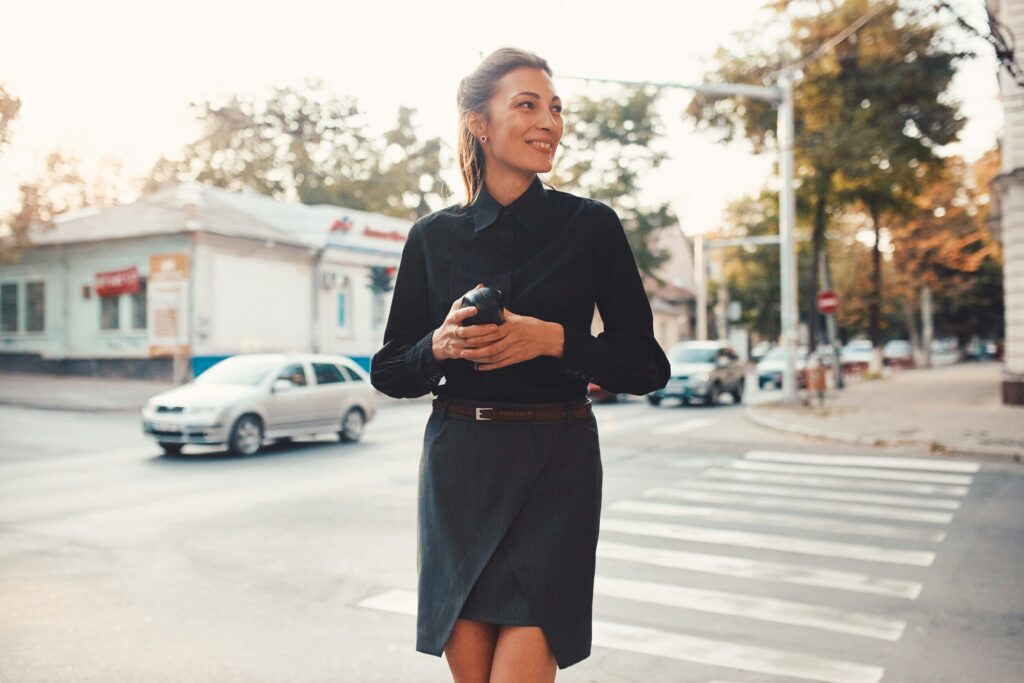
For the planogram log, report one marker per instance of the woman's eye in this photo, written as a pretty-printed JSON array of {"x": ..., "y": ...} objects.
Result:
[
  {"x": 527, "y": 103},
  {"x": 557, "y": 108}
]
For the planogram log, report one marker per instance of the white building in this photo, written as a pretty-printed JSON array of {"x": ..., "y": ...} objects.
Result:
[
  {"x": 167, "y": 285},
  {"x": 1010, "y": 187}
]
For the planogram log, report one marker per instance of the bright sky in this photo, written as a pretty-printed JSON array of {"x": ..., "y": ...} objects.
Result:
[{"x": 107, "y": 77}]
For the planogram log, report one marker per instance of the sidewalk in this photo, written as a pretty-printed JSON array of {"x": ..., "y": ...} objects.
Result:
[
  {"x": 954, "y": 410},
  {"x": 92, "y": 394}
]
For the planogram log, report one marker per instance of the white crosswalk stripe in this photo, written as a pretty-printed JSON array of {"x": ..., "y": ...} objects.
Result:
[
  {"x": 837, "y": 482},
  {"x": 794, "y": 492},
  {"x": 832, "y": 507},
  {"x": 773, "y": 519},
  {"x": 930, "y": 464},
  {"x": 857, "y": 472},
  {"x": 760, "y": 569}
]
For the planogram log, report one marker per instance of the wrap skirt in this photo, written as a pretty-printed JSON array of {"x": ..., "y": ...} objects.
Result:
[{"x": 508, "y": 517}]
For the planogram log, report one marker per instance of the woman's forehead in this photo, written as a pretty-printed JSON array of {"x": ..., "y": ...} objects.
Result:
[{"x": 526, "y": 80}]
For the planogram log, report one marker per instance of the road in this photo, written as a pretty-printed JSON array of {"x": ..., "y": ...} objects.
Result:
[{"x": 728, "y": 553}]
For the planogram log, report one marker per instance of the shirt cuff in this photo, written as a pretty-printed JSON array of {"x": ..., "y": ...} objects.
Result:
[
  {"x": 422, "y": 363},
  {"x": 577, "y": 353}
]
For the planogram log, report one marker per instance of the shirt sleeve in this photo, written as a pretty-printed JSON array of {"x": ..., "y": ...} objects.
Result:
[
  {"x": 625, "y": 357},
  {"x": 405, "y": 367}
]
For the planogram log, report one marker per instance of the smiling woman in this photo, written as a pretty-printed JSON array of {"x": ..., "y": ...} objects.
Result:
[{"x": 510, "y": 472}]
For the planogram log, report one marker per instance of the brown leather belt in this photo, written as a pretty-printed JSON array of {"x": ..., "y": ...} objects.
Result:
[{"x": 486, "y": 413}]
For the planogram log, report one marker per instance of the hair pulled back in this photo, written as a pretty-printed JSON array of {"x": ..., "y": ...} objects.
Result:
[{"x": 475, "y": 90}]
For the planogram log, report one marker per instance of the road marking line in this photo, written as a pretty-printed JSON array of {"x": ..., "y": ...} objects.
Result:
[
  {"x": 837, "y": 482},
  {"x": 857, "y": 472},
  {"x": 851, "y": 509},
  {"x": 867, "y": 460},
  {"x": 650, "y": 641},
  {"x": 616, "y": 424},
  {"x": 760, "y": 569},
  {"x": 793, "y": 521},
  {"x": 752, "y": 607},
  {"x": 796, "y": 492},
  {"x": 684, "y": 426},
  {"x": 792, "y": 544}
]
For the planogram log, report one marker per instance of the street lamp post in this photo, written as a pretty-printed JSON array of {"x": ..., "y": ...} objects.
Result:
[{"x": 782, "y": 95}]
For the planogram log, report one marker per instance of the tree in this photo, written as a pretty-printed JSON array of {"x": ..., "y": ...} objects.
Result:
[
  {"x": 9, "y": 108},
  {"x": 57, "y": 188},
  {"x": 303, "y": 143},
  {"x": 608, "y": 146},
  {"x": 862, "y": 110}
]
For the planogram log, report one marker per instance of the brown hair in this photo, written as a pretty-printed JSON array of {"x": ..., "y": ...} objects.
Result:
[{"x": 474, "y": 92}]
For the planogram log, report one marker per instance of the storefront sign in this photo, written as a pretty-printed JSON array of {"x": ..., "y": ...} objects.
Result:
[
  {"x": 167, "y": 305},
  {"x": 117, "y": 282}
]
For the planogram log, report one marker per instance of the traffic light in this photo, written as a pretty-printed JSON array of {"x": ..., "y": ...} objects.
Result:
[{"x": 381, "y": 278}]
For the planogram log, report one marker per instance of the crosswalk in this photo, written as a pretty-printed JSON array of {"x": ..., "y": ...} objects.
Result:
[{"x": 796, "y": 551}]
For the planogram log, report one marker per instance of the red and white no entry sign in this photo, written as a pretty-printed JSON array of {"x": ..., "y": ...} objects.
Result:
[{"x": 828, "y": 302}]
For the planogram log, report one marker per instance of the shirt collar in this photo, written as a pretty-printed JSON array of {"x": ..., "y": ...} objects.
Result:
[{"x": 529, "y": 207}]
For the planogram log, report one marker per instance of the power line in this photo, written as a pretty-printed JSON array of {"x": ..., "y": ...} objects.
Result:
[{"x": 998, "y": 36}]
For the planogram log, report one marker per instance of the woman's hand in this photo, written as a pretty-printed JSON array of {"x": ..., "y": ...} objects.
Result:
[
  {"x": 519, "y": 338},
  {"x": 453, "y": 337}
]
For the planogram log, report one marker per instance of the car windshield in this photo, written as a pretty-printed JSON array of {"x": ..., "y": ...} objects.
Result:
[
  {"x": 779, "y": 353},
  {"x": 859, "y": 345},
  {"x": 246, "y": 372},
  {"x": 693, "y": 355}
]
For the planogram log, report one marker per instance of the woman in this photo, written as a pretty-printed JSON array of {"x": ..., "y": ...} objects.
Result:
[{"x": 510, "y": 473}]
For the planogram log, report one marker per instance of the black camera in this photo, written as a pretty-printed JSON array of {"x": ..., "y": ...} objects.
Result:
[{"x": 488, "y": 306}]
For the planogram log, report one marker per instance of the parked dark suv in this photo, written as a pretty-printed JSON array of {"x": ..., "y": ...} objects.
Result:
[{"x": 703, "y": 371}]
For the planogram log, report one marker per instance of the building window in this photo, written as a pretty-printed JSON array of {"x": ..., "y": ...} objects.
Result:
[
  {"x": 139, "y": 306},
  {"x": 35, "y": 306},
  {"x": 109, "y": 313},
  {"x": 343, "y": 309},
  {"x": 9, "y": 307}
]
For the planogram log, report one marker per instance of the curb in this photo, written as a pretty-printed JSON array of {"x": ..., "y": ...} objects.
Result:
[{"x": 993, "y": 454}]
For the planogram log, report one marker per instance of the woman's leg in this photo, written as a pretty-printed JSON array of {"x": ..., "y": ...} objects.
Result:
[
  {"x": 522, "y": 656},
  {"x": 470, "y": 650}
]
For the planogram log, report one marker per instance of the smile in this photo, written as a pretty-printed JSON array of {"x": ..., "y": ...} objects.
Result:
[{"x": 544, "y": 146}]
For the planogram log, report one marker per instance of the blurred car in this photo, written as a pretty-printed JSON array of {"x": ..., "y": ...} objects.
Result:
[
  {"x": 760, "y": 350},
  {"x": 898, "y": 353},
  {"x": 599, "y": 395},
  {"x": 245, "y": 399},
  {"x": 702, "y": 370},
  {"x": 769, "y": 370},
  {"x": 857, "y": 355}
]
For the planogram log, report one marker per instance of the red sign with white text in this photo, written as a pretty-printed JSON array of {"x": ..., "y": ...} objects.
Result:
[
  {"x": 828, "y": 302},
  {"x": 117, "y": 282}
]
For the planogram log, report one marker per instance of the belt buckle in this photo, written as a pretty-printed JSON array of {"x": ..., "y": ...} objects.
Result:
[{"x": 480, "y": 417}]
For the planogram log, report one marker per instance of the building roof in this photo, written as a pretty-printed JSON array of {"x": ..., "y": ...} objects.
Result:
[{"x": 193, "y": 207}]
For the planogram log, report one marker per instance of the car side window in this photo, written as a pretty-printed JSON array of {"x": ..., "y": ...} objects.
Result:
[
  {"x": 350, "y": 373},
  {"x": 327, "y": 373},
  {"x": 295, "y": 374}
]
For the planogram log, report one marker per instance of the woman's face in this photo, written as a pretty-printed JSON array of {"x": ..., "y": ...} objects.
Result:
[{"x": 523, "y": 122}]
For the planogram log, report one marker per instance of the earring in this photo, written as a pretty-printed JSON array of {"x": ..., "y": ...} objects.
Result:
[{"x": 483, "y": 138}]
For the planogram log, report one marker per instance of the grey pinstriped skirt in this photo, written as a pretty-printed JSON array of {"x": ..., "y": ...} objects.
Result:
[{"x": 507, "y": 526}]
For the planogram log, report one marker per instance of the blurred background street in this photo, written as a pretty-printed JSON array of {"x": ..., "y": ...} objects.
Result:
[{"x": 203, "y": 211}]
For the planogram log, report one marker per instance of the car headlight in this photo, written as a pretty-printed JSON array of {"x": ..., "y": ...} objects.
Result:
[{"x": 702, "y": 376}]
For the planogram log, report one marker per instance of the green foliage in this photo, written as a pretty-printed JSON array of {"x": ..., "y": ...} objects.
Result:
[
  {"x": 303, "y": 143},
  {"x": 869, "y": 114},
  {"x": 608, "y": 147}
]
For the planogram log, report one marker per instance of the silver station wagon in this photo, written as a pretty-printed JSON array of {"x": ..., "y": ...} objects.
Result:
[{"x": 244, "y": 400}]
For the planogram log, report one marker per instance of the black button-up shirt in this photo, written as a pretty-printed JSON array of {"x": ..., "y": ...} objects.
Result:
[{"x": 554, "y": 256}]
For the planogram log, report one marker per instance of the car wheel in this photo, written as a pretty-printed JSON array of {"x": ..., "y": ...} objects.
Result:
[
  {"x": 654, "y": 400},
  {"x": 246, "y": 435},
  {"x": 713, "y": 395},
  {"x": 737, "y": 393},
  {"x": 171, "y": 448},
  {"x": 352, "y": 425}
]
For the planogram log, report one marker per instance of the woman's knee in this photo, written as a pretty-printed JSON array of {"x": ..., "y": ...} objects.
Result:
[
  {"x": 522, "y": 655},
  {"x": 470, "y": 651}
]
